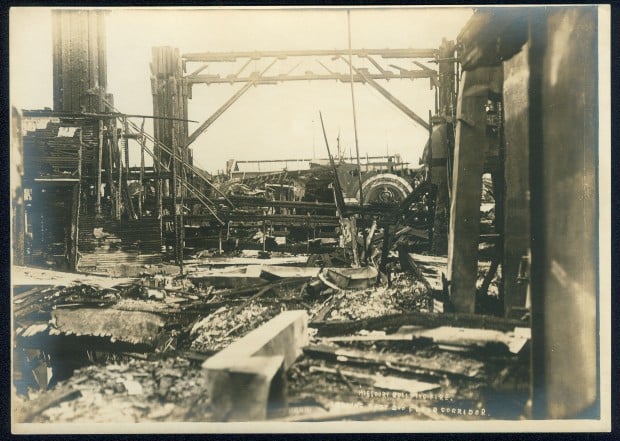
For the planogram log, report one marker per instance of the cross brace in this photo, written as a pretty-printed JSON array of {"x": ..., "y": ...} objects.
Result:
[{"x": 391, "y": 98}]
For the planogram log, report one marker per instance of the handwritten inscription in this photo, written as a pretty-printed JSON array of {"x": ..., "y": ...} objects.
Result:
[{"x": 449, "y": 408}]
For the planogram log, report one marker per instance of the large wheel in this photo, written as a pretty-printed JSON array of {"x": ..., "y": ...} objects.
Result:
[{"x": 385, "y": 187}]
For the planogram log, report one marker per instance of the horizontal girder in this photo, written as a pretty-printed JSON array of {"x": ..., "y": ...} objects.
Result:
[
  {"x": 343, "y": 77},
  {"x": 255, "y": 55}
]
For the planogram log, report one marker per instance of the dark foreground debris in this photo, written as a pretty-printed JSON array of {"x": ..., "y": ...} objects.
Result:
[{"x": 377, "y": 346}]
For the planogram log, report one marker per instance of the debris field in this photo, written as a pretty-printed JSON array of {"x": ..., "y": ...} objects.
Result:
[{"x": 377, "y": 346}]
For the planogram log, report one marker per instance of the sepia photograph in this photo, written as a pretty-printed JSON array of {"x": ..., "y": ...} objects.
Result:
[{"x": 310, "y": 219}]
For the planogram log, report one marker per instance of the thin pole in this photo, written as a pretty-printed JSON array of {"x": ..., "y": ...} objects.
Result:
[
  {"x": 118, "y": 154},
  {"x": 174, "y": 200},
  {"x": 111, "y": 193},
  {"x": 141, "y": 199},
  {"x": 76, "y": 230},
  {"x": 99, "y": 166},
  {"x": 357, "y": 149}
]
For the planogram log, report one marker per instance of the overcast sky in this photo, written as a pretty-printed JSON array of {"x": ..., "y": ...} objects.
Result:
[{"x": 269, "y": 121}]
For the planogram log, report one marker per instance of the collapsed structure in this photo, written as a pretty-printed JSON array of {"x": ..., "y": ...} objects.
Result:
[{"x": 388, "y": 264}]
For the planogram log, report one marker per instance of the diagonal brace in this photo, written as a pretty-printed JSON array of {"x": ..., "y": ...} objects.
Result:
[
  {"x": 205, "y": 125},
  {"x": 391, "y": 98}
]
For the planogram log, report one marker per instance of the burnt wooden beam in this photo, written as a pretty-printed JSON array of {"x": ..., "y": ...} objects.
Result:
[
  {"x": 395, "y": 321},
  {"x": 472, "y": 146}
]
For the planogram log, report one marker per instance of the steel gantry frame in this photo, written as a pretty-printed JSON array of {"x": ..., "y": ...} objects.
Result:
[
  {"x": 362, "y": 75},
  {"x": 172, "y": 87}
]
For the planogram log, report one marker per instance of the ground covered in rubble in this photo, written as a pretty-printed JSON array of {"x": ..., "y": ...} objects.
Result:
[{"x": 147, "y": 367}]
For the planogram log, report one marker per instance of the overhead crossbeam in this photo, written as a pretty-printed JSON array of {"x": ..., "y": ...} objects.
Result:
[
  {"x": 343, "y": 77},
  {"x": 256, "y": 55}
]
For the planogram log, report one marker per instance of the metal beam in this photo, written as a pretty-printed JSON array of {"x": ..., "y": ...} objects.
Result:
[
  {"x": 343, "y": 77},
  {"x": 256, "y": 55},
  {"x": 391, "y": 98}
]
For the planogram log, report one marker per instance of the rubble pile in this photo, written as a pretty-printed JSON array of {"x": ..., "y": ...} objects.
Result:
[
  {"x": 357, "y": 304},
  {"x": 409, "y": 292},
  {"x": 131, "y": 391},
  {"x": 380, "y": 345},
  {"x": 216, "y": 331}
]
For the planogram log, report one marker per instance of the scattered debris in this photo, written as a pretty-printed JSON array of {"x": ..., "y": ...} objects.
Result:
[{"x": 378, "y": 340}]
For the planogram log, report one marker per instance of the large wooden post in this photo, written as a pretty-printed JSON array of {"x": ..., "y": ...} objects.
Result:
[
  {"x": 439, "y": 150},
  {"x": 516, "y": 175},
  {"x": 563, "y": 117},
  {"x": 471, "y": 147}
]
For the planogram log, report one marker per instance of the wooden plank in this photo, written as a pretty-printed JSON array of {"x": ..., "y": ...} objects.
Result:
[
  {"x": 395, "y": 321},
  {"x": 412, "y": 364},
  {"x": 387, "y": 382},
  {"x": 242, "y": 378},
  {"x": 431, "y": 269}
]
